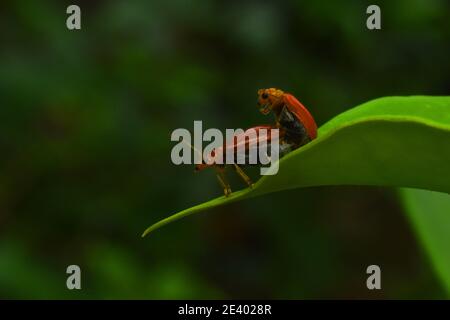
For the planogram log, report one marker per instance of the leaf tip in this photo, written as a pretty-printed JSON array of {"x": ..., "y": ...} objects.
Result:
[{"x": 146, "y": 232}]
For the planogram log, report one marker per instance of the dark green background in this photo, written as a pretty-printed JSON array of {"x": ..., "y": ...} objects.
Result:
[{"x": 85, "y": 124}]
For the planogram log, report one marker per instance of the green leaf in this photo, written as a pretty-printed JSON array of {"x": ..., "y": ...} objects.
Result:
[
  {"x": 392, "y": 141},
  {"x": 429, "y": 213}
]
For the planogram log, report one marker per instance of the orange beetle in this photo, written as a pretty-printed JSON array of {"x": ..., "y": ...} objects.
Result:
[
  {"x": 290, "y": 115},
  {"x": 248, "y": 144}
]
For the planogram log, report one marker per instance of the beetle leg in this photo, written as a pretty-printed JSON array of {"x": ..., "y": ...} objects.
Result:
[
  {"x": 223, "y": 181},
  {"x": 242, "y": 174}
]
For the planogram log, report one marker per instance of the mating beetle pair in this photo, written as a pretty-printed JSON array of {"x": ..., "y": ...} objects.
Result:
[{"x": 296, "y": 128}]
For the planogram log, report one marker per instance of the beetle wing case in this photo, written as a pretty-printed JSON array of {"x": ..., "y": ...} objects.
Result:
[{"x": 301, "y": 113}]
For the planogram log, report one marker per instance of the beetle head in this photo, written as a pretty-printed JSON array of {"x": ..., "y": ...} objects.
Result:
[
  {"x": 200, "y": 167},
  {"x": 269, "y": 99}
]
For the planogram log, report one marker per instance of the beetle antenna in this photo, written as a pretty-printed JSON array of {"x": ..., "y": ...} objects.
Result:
[{"x": 192, "y": 147}]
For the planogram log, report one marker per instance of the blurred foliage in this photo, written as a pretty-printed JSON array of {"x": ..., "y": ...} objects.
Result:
[
  {"x": 85, "y": 123},
  {"x": 429, "y": 213}
]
